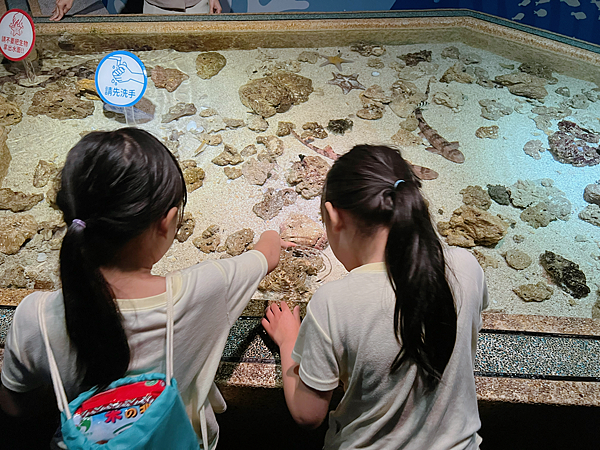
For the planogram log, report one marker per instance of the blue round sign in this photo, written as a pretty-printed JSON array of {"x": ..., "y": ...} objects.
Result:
[{"x": 121, "y": 79}]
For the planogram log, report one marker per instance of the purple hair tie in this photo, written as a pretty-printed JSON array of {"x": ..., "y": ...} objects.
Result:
[{"x": 79, "y": 222}]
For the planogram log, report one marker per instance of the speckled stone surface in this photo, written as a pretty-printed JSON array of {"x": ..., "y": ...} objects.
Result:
[
  {"x": 6, "y": 316},
  {"x": 542, "y": 324}
]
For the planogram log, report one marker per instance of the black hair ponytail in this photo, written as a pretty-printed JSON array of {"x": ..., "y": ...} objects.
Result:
[
  {"x": 114, "y": 186},
  {"x": 378, "y": 188}
]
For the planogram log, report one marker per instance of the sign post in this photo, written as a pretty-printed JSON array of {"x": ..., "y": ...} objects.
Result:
[
  {"x": 17, "y": 36},
  {"x": 121, "y": 81}
]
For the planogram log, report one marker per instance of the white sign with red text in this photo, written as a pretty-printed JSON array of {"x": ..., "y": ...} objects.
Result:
[{"x": 17, "y": 34}]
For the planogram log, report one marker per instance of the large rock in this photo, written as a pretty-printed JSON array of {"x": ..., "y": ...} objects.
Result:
[
  {"x": 60, "y": 104},
  {"x": 308, "y": 176},
  {"x": 193, "y": 175},
  {"x": 470, "y": 226},
  {"x": 44, "y": 171},
  {"x": 256, "y": 171},
  {"x": 209, "y": 64},
  {"x": 302, "y": 230},
  {"x": 14, "y": 231},
  {"x": 273, "y": 201},
  {"x": 276, "y": 93},
  {"x": 236, "y": 243},
  {"x": 10, "y": 113},
  {"x": 476, "y": 196},
  {"x": 591, "y": 194},
  {"x": 591, "y": 214},
  {"x": 565, "y": 274},
  {"x": 534, "y": 292},
  {"x": 209, "y": 241},
  {"x": 169, "y": 79},
  {"x": 18, "y": 201},
  {"x": 187, "y": 227}
]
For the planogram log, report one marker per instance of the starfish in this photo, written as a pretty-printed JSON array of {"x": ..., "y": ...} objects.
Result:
[
  {"x": 336, "y": 60},
  {"x": 346, "y": 82}
]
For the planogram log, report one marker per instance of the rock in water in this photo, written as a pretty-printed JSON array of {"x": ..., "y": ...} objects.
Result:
[
  {"x": 209, "y": 64},
  {"x": 187, "y": 227},
  {"x": 14, "y": 231},
  {"x": 236, "y": 243},
  {"x": 565, "y": 274},
  {"x": 308, "y": 175},
  {"x": 179, "y": 110},
  {"x": 273, "y": 201},
  {"x": 470, "y": 226},
  {"x": 141, "y": 112},
  {"x": 534, "y": 292},
  {"x": 60, "y": 104},
  {"x": 169, "y": 79},
  {"x": 302, "y": 230},
  {"x": 276, "y": 93},
  {"x": 43, "y": 172},
  {"x": 18, "y": 201},
  {"x": 10, "y": 113},
  {"x": 209, "y": 241}
]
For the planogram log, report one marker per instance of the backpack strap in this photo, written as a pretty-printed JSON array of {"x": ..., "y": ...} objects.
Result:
[
  {"x": 59, "y": 390},
  {"x": 169, "y": 345}
]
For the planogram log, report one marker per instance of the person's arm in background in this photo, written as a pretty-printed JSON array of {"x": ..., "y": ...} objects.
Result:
[
  {"x": 64, "y": 6},
  {"x": 214, "y": 7}
]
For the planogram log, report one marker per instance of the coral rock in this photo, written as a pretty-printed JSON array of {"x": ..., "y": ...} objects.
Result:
[
  {"x": 487, "y": 132},
  {"x": 276, "y": 93},
  {"x": 169, "y": 79},
  {"x": 365, "y": 49},
  {"x": 302, "y": 230},
  {"x": 470, "y": 226},
  {"x": 412, "y": 59},
  {"x": 236, "y": 243},
  {"x": 457, "y": 73},
  {"x": 209, "y": 64},
  {"x": 308, "y": 176},
  {"x": 257, "y": 123},
  {"x": 209, "y": 241},
  {"x": 533, "y": 148},
  {"x": 339, "y": 126},
  {"x": 193, "y": 176},
  {"x": 309, "y": 57},
  {"x": 10, "y": 113},
  {"x": 232, "y": 172},
  {"x": 517, "y": 259},
  {"x": 534, "y": 292},
  {"x": 404, "y": 138},
  {"x": 178, "y": 111},
  {"x": 565, "y": 274},
  {"x": 476, "y": 196},
  {"x": 284, "y": 128},
  {"x": 43, "y": 172},
  {"x": 499, "y": 194},
  {"x": 313, "y": 130},
  {"x": 591, "y": 194},
  {"x": 18, "y": 201},
  {"x": 14, "y": 231},
  {"x": 60, "y": 104},
  {"x": 187, "y": 227},
  {"x": 538, "y": 215},
  {"x": 273, "y": 144},
  {"x": 538, "y": 70},
  {"x": 452, "y": 99},
  {"x": 290, "y": 277},
  {"x": 257, "y": 172},
  {"x": 229, "y": 156},
  {"x": 273, "y": 201},
  {"x": 591, "y": 214},
  {"x": 493, "y": 110}
]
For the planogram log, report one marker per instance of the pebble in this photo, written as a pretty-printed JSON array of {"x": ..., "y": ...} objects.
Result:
[
  {"x": 375, "y": 73},
  {"x": 580, "y": 238},
  {"x": 41, "y": 257},
  {"x": 191, "y": 125}
]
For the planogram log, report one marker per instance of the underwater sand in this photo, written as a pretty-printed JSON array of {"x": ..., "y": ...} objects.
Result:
[{"x": 228, "y": 203}]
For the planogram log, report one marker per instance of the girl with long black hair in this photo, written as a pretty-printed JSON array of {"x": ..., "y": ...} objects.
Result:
[
  {"x": 122, "y": 195},
  {"x": 399, "y": 332}
]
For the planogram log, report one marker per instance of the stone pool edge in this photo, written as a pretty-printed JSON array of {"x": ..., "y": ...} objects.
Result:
[{"x": 234, "y": 375}]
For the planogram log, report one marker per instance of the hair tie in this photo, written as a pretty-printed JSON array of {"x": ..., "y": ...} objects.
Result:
[
  {"x": 397, "y": 183},
  {"x": 78, "y": 222}
]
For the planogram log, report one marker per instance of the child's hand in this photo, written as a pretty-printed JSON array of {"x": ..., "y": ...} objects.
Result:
[
  {"x": 287, "y": 244},
  {"x": 282, "y": 325}
]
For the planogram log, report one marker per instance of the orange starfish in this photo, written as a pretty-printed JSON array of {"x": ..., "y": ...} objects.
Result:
[{"x": 336, "y": 60}]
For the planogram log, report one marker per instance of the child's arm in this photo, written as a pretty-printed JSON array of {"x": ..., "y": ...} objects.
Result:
[
  {"x": 307, "y": 405},
  {"x": 269, "y": 245}
]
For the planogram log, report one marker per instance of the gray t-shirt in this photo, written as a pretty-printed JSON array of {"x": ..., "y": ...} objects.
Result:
[{"x": 347, "y": 336}]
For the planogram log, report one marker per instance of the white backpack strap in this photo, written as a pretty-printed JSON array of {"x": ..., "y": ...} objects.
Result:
[
  {"x": 169, "y": 349},
  {"x": 204, "y": 428},
  {"x": 59, "y": 390}
]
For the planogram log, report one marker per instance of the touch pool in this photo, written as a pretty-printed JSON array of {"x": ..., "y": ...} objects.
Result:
[{"x": 525, "y": 121}]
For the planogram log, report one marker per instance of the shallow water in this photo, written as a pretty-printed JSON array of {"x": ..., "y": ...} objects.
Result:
[{"x": 228, "y": 203}]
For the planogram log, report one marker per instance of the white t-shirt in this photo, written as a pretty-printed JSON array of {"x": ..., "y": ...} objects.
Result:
[
  {"x": 208, "y": 299},
  {"x": 347, "y": 336}
]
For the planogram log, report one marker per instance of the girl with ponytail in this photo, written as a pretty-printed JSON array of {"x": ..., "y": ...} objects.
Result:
[
  {"x": 399, "y": 332},
  {"x": 122, "y": 195}
]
